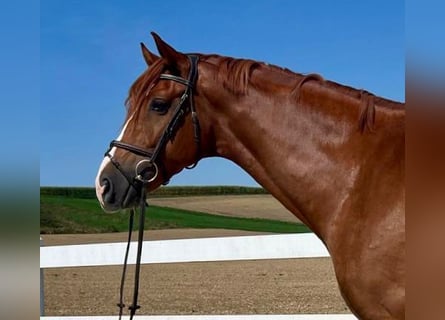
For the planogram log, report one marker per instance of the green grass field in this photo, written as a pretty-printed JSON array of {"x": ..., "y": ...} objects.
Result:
[{"x": 62, "y": 214}]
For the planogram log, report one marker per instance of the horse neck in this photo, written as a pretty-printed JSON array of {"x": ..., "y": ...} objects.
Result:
[{"x": 308, "y": 155}]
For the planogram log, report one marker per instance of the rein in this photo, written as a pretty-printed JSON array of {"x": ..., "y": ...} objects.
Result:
[
  {"x": 134, "y": 306},
  {"x": 139, "y": 183}
]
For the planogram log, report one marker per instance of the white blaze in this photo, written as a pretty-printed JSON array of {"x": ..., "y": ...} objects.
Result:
[{"x": 105, "y": 162}]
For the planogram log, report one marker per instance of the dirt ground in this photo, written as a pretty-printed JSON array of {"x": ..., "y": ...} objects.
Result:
[
  {"x": 234, "y": 287},
  {"x": 250, "y": 206}
]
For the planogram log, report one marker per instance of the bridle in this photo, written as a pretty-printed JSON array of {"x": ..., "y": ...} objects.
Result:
[
  {"x": 139, "y": 182},
  {"x": 169, "y": 133}
]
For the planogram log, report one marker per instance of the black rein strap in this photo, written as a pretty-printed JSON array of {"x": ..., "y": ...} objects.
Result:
[{"x": 134, "y": 306}]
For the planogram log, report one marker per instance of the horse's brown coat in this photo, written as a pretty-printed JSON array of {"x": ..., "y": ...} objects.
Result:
[{"x": 331, "y": 154}]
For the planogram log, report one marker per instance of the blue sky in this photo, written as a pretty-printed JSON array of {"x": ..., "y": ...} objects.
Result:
[{"x": 90, "y": 55}]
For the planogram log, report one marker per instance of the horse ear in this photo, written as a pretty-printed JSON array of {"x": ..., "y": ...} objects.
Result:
[
  {"x": 174, "y": 58},
  {"x": 149, "y": 57}
]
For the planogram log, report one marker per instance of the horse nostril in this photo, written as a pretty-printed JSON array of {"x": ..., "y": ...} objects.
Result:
[
  {"x": 107, "y": 193},
  {"x": 105, "y": 183}
]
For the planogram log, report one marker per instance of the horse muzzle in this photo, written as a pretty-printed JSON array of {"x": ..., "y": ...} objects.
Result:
[{"x": 118, "y": 189}]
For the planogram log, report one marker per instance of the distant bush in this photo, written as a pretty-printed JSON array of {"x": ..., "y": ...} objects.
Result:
[
  {"x": 72, "y": 192},
  {"x": 172, "y": 191}
]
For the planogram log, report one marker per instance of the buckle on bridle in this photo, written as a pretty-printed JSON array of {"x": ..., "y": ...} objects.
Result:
[{"x": 138, "y": 175}]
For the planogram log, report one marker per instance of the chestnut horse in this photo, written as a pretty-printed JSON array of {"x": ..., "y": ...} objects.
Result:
[{"x": 331, "y": 154}]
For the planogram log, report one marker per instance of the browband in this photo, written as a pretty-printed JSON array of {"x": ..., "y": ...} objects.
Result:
[{"x": 180, "y": 80}]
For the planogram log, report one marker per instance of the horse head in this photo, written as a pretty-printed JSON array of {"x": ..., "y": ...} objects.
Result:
[{"x": 161, "y": 133}]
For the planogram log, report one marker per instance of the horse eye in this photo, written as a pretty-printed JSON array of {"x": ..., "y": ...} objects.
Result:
[{"x": 159, "y": 106}]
